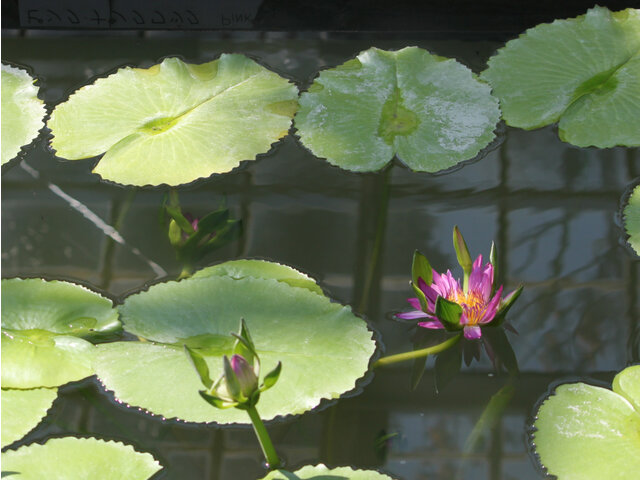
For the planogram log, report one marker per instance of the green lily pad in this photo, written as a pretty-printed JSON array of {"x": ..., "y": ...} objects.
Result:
[
  {"x": 583, "y": 73},
  {"x": 321, "y": 472},
  {"x": 37, "y": 358},
  {"x": 261, "y": 269},
  {"x": 22, "y": 111},
  {"x": 430, "y": 111},
  {"x": 175, "y": 122},
  {"x": 586, "y": 432},
  {"x": 56, "y": 306},
  {"x": 631, "y": 215},
  {"x": 22, "y": 410},
  {"x": 72, "y": 458},
  {"x": 323, "y": 346}
]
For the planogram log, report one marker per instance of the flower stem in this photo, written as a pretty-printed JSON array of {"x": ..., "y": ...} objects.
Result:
[
  {"x": 465, "y": 284},
  {"x": 269, "y": 452},
  {"x": 187, "y": 271},
  {"x": 401, "y": 357}
]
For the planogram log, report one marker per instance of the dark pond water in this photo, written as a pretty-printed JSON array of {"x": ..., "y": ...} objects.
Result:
[{"x": 552, "y": 208}]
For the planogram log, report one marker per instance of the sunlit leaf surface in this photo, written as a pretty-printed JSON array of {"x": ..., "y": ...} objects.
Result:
[
  {"x": 321, "y": 472},
  {"x": 583, "y": 73},
  {"x": 79, "y": 459},
  {"x": 42, "y": 322},
  {"x": 22, "y": 111},
  {"x": 260, "y": 269},
  {"x": 56, "y": 306},
  {"x": 631, "y": 216},
  {"x": 175, "y": 122},
  {"x": 430, "y": 111},
  {"x": 22, "y": 410},
  {"x": 324, "y": 348},
  {"x": 590, "y": 433}
]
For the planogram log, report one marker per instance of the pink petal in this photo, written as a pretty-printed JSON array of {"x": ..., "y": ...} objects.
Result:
[
  {"x": 433, "y": 324},
  {"x": 415, "y": 303},
  {"x": 472, "y": 333},
  {"x": 492, "y": 307},
  {"x": 412, "y": 315},
  {"x": 478, "y": 262}
]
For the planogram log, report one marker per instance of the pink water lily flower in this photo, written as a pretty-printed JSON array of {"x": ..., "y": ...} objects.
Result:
[{"x": 478, "y": 306}]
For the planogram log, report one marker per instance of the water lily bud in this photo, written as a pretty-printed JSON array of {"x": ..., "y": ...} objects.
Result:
[{"x": 245, "y": 374}]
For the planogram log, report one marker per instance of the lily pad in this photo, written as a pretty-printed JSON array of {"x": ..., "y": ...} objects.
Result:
[
  {"x": 175, "y": 122},
  {"x": 323, "y": 346},
  {"x": 79, "y": 459},
  {"x": 583, "y": 73},
  {"x": 432, "y": 112},
  {"x": 22, "y": 410},
  {"x": 321, "y": 472},
  {"x": 56, "y": 306},
  {"x": 631, "y": 216},
  {"x": 22, "y": 111},
  {"x": 261, "y": 269},
  {"x": 37, "y": 358},
  {"x": 586, "y": 432}
]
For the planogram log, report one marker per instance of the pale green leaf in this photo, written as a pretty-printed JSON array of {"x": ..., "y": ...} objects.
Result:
[
  {"x": 627, "y": 384},
  {"x": 585, "y": 432},
  {"x": 22, "y": 410},
  {"x": 56, "y": 306},
  {"x": 583, "y": 72},
  {"x": 22, "y": 111},
  {"x": 37, "y": 358},
  {"x": 430, "y": 111},
  {"x": 175, "y": 122},
  {"x": 324, "y": 348},
  {"x": 631, "y": 216},
  {"x": 321, "y": 472},
  {"x": 79, "y": 459},
  {"x": 260, "y": 269}
]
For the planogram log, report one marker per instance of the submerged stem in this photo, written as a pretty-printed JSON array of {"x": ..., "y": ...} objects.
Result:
[
  {"x": 401, "y": 357},
  {"x": 263, "y": 438}
]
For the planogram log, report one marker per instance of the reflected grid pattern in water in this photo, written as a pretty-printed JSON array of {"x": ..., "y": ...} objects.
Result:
[{"x": 551, "y": 207}]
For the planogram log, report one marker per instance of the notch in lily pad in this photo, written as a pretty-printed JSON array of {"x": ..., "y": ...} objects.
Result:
[
  {"x": 175, "y": 122},
  {"x": 589, "y": 86},
  {"x": 429, "y": 111}
]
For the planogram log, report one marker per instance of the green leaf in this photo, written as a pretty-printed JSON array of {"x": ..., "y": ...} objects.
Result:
[
  {"x": 79, "y": 459},
  {"x": 175, "y": 122},
  {"x": 22, "y": 111},
  {"x": 420, "y": 268},
  {"x": 239, "y": 269},
  {"x": 323, "y": 346},
  {"x": 56, "y": 306},
  {"x": 448, "y": 313},
  {"x": 429, "y": 111},
  {"x": 271, "y": 378},
  {"x": 321, "y": 472},
  {"x": 22, "y": 410},
  {"x": 582, "y": 72},
  {"x": 627, "y": 384},
  {"x": 200, "y": 365},
  {"x": 505, "y": 305},
  {"x": 631, "y": 216},
  {"x": 37, "y": 358},
  {"x": 590, "y": 433}
]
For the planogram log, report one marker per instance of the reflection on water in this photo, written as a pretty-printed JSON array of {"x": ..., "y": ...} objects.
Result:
[{"x": 550, "y": 207}]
